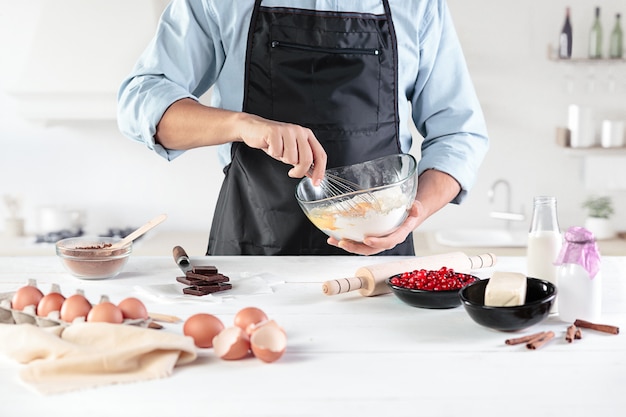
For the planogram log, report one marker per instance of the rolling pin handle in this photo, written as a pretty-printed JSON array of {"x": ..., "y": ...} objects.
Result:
[{"x": 342, "y": 285}]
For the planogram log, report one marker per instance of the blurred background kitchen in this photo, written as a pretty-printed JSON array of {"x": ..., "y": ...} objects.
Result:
[{"x": 64, "y": 162}]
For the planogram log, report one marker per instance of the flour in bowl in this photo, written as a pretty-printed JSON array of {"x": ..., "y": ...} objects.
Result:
[{"x": 359, "y": 217}]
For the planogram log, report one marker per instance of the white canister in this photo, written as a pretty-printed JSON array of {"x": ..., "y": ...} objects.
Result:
[
  {"x": 612, "y": 134},
  {"x": 581, "y": 125},
  {"x": 14, "y": 227}
]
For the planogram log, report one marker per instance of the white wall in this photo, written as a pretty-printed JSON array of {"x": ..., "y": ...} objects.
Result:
[{"x": 119, "y": 183}]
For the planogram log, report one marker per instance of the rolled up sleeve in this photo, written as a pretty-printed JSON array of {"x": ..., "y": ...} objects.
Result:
[
  {"x": 181, "y": 61},
  {"x": 445, "y": 107}
]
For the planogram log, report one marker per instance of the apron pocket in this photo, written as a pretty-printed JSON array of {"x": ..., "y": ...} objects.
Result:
[{"x": 318, "y": 86}]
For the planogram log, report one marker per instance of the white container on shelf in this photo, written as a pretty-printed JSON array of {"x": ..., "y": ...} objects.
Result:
[
  {"x": 612, "y": 134},
  {"x": 581, "y": 125}
]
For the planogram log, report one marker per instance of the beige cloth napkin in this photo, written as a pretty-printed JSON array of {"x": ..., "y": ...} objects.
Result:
[{"x": 86, "y": 355}]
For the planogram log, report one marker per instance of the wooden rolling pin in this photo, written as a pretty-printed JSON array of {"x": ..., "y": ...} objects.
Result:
[{"x": 370, "y": 280}]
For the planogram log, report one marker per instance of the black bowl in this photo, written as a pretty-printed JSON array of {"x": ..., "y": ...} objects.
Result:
[
  {"x": 540, "y": 296},
  {"x": 426, "y": 298}
]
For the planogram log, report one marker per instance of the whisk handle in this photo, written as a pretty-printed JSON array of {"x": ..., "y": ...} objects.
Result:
[{"x": 342, "y": 285}]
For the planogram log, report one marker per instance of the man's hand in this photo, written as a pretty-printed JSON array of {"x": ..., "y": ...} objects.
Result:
[{"x": 374, "y": 245}]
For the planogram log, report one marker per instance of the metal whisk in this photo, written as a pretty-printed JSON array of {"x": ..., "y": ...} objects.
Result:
[{"x": 355, "y": 203}]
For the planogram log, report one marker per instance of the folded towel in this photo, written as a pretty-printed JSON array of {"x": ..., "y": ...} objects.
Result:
[{"x": 84, "y": 355}]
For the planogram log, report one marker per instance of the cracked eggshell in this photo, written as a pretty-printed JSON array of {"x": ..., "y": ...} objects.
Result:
[
  {"x": 268, "y": 341},
  {"x": 232, "y": 343},
  {"x": 248, "y": 317}
]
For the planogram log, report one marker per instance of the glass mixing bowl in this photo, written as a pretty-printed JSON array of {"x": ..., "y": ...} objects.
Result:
[
  {"x": 371, "y": 198},
  {"x": 91, "y": 257}
]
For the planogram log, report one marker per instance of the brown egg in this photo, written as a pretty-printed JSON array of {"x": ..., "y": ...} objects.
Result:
[
  {"x": 28, "y": 295},
  {"x": 268, "y": 342},
  {"x": 49, "y": 303},
  {"x": 248, "y": 317},
  {"x": 106, "y": 312},
  {"x": 202, "y": 328},
  {"x": 75, "y": 306},
  {"x": 132, "y": 308},
  {"x": 232, "y": 343}
]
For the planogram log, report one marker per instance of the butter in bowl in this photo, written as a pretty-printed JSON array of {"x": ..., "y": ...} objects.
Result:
[{"x": 508, "y": 302}]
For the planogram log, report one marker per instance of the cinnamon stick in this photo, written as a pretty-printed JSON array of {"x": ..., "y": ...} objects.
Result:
[
  {"x": 570, "y": 335},
  {"x": 523, "y": 339},
  {"x": 540, "y": 341},
  {"x": 606, "y": 328},
  {"x": 578, "y": 334}
]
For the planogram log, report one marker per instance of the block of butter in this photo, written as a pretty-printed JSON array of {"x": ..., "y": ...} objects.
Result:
[{"x": 505, "y": 289}]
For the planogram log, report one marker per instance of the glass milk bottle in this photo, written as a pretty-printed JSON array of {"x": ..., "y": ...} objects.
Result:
[
  {"x": 579, "y": 276},
  {"x": 544, "y": 242}
]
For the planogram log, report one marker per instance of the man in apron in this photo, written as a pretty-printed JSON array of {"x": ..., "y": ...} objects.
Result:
[{"x": 329, "y": 80}]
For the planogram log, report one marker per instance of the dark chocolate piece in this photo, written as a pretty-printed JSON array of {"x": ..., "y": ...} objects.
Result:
[
  {"x": 207, "y": 289},
  {"x": 202, "y": 280},
  {"x": 204, "y": 269},
  {"x": 208, "y": 277}
]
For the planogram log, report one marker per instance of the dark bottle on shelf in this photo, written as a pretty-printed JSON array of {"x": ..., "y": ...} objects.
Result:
[
  {"x": 565, "y": 39},
  {"x": 616, "y": 47},
  {"x": 595, "y": 37}
]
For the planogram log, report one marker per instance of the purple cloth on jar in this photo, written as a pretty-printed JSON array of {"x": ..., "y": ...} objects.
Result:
[{"x": 580, "y": 248}]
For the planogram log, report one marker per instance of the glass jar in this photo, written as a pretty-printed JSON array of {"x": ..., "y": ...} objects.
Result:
[
  {"x": 544, "y": 242},
  {"x": 579, "y": 277}
]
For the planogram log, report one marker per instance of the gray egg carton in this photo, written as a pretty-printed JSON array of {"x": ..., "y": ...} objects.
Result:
[{"x": 9, "y": 315}]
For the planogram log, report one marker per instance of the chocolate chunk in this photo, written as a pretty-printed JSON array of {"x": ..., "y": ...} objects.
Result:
[
  {"x": 204, "y": 269},
  {"x": 203, "y": 277},
  {"x": 194, "y": 279},
  {"x": 206, "y": 289}
]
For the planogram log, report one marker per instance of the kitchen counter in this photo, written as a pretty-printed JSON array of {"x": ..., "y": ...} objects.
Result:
[
  {"x": 346, "y": 354},
  {"x": 160, "y": 242}
]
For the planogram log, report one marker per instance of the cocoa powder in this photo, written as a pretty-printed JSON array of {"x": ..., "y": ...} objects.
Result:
[{"x": 94, "y": 261}]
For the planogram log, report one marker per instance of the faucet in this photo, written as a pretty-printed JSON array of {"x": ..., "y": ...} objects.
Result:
[{"x": 507, "y": 214}]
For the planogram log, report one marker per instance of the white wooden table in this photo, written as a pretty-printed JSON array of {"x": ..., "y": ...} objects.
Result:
[{"x": 347, "y": 355}]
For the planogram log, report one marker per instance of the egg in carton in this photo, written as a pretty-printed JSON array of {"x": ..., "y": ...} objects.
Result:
[{"x": 75, "y": 311}]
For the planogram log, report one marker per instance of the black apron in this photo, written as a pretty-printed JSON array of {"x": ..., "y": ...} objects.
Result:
[{"x": 335, "y": 73}]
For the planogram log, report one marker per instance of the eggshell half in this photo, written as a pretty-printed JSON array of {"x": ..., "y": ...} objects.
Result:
[
  {"x": 232, "y": 343},
  {"x": 268, "y": 342}
]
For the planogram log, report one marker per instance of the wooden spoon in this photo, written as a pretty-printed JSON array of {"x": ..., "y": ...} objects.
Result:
[{"x": 140, "y": 231}]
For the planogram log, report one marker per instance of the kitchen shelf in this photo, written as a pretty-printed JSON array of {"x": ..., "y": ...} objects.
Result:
[
  {"x": 552, "y": 56},
  {"x": 589, "y": 61},
  {"x": 596, "y": 151}
]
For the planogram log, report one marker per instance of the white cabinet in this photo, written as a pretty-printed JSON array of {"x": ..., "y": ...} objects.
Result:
[{"x": 65, "y": 59}]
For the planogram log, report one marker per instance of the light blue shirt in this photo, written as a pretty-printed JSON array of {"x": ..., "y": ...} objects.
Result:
[{"x": 201, "y": 44}]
